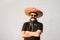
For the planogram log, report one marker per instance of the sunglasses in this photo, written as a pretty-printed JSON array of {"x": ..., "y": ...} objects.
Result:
[{"x": 33, "y": 15}]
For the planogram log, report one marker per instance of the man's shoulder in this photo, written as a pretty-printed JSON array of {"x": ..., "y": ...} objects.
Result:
[
  {"x": 39, "y": 22},
  {"x": 26, "y": 22}
]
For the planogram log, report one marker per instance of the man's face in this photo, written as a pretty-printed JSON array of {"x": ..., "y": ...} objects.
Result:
[{"x": 33, "y": 16}]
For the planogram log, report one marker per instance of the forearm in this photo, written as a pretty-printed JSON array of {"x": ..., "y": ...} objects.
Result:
[
  {"x": 36, "y": 33},
  {"x": 29, "y": 33},
  {"x": 26, "y": 35}
]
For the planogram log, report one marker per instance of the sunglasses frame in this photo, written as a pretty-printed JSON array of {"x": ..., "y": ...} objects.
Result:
[{"x": 33, "y": 15}]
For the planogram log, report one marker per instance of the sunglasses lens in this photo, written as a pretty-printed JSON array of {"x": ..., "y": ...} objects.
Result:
[{"x": 33, "y": 15}]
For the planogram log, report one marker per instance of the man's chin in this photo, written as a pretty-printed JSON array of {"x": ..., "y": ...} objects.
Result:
[{"x": 32, "y": 19}]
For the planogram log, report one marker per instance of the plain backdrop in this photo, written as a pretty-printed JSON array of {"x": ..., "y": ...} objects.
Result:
[{"x": 12, "y": 17}]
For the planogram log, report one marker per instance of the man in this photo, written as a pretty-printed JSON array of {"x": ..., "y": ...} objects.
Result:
[{"x": 32, "y": 29}]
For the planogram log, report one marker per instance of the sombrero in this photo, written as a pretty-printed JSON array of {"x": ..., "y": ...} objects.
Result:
[{"x": 28, "y": 10}]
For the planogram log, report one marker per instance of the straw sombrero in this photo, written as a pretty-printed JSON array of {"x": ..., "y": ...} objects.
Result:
[{"x": 28, "y": 10}]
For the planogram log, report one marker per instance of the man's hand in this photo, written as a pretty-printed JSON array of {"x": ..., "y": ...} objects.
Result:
[
  {"x": 29, "y": 33},
  {"x": 26, "y": 34}
]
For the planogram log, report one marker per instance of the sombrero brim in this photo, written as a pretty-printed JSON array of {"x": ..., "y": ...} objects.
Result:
[{"x": 28, "y": 10}]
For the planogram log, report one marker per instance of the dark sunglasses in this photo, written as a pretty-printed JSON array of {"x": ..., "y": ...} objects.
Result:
[{"x": 33, "y": 15}]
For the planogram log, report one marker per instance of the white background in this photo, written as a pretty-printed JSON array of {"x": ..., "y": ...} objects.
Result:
[{"x": 12, "y": 17}]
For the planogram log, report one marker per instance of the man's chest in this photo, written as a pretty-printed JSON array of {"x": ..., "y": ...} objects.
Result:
[{"x": 31, "y": 27}]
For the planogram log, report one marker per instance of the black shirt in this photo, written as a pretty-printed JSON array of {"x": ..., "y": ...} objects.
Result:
[{"x": 29, "y": 26}]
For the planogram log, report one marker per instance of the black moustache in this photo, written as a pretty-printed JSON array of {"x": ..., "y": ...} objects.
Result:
[{"x": 32, "y": 17}]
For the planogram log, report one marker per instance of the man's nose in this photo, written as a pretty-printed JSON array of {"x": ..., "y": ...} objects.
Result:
[{"x": 32, "y": 17}]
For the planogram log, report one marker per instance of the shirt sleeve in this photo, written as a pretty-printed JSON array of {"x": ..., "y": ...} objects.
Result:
[
  {"x": 40, "y": 26},
  {"x": 24, "y": 27}
]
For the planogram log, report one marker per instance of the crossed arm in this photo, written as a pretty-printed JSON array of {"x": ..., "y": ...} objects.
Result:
[{"x": 29, "y": 34}]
